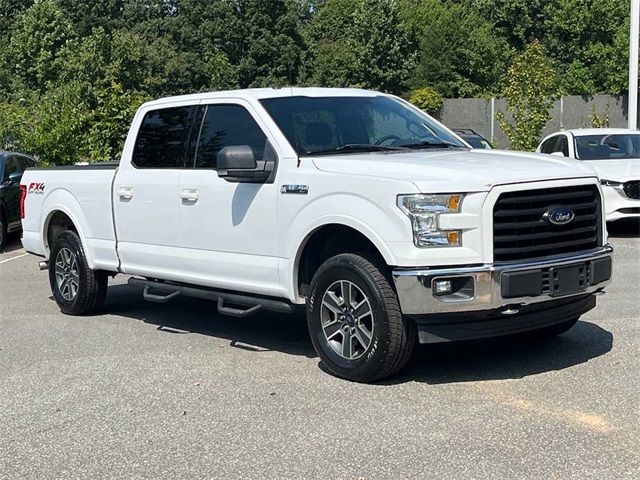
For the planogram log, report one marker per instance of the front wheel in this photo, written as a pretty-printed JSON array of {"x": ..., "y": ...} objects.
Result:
[
  {"x": 77, "y": 289},
  {"x": 355, "y": 322}
]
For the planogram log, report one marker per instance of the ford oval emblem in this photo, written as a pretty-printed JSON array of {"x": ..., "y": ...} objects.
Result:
[{"x": 559, "y": 215}]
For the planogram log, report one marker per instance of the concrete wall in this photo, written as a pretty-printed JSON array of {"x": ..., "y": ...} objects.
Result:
[{"x": 571, "y": 111}]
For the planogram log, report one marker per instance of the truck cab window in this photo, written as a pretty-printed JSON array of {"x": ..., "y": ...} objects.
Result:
[
  {"x": 162, "y": 138},
  {"x": 225, "y": 126}
]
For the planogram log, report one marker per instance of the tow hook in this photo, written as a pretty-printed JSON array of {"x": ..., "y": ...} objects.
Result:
[{"x": 44, "y": 265}]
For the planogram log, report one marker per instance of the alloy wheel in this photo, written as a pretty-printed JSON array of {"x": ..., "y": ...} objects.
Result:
[
  {"x": 347, "y": 319},
  {"x": 67, "y": 278}
]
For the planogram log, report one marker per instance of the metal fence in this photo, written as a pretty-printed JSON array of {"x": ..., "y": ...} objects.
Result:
[{"x": 572, "y": 111}]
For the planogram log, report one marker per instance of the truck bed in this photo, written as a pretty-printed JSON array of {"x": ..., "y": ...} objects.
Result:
[{"x": 83, "y": 193}]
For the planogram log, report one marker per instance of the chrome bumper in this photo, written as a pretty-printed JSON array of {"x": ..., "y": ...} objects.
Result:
[{"x": 415, "y": 286}]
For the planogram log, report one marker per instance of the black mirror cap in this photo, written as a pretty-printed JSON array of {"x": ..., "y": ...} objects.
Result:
[{"x": 236, "y": 157}]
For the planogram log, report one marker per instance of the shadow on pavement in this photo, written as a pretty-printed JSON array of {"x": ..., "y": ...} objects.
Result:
[
  {"x": 627, "y": 228},
  {"x": 261, "y": 332},
  {"x": 13, "y": 243},
  {"x": 506, "y": 358}
]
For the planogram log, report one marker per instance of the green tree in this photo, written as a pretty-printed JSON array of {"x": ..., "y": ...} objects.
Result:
[
  {"x": 518, "y": 21},
  {"x": 426, "y": 99},
  {"x": 530, "y": 92},
  {"x": 39, "y": 35},
  {"x": 359, "y": 43},
  {"x": 460, "y": 55},
  {"x": 383, "y": 48},
  {"x": 329, "y": 59},
  {"x": 589, "y": 40},
  {"x": 271, "y": 50}
]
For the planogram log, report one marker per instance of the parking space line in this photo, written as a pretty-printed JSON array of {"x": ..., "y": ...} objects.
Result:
[{"x": 13, "y": 258}]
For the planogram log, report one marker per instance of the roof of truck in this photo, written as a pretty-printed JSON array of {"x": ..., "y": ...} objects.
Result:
[{"x": 260, "y": 93}]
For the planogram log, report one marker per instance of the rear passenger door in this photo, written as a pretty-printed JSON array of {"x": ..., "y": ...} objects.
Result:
[
  {"x": 146, "y": 197},
  {"x": 228, "y": 230}
]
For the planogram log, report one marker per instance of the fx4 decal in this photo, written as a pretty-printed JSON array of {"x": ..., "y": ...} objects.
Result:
[{"x": 37, "y": 188}]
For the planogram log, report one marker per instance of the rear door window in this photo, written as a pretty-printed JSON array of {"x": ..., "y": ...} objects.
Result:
[{"x": 163, "y": 138}]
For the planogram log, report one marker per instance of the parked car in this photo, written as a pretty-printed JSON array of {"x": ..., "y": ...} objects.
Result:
[
  {"x": 614, "y": 153},
  {"x": 472, "y": 138},
  {"x": 352, "y": 204},
  {"x": 12, "y": 165}
]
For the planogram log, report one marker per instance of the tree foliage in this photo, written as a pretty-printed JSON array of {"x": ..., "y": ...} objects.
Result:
[
  {"x": 427, "y": 99},
  {"x": 73, "y": 72},
  {"x": 531, "y": 89}
]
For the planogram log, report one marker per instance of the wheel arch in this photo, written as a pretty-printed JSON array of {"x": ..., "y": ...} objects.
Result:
[
  {"x": 57, "y": 220},
  {"x": 327, "y": 240}
]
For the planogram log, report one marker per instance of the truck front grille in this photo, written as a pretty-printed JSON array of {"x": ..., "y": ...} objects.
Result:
[
  {"x": 520, "y": 233},
  {"x": 632, "y": 189}
]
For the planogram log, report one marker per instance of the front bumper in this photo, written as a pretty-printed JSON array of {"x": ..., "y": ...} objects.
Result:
[
  {"x": 503, "y": 287},
  {"x": 618, "y": 206}
]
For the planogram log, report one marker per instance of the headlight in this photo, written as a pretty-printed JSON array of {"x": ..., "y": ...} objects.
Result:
[
  {"x": 423, "y": 210},
  {"x": 610, "y": 183}
]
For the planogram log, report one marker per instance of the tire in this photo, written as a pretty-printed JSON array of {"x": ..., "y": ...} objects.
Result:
[
  {"x": 351, "y": 343},
  {"x": 3, "y": 232},
  {"x": 77, "y": 289},
  {"x": 553, "y": 330}
]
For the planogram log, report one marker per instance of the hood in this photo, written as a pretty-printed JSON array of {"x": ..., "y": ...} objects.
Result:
[
  {"x": 456, "y": 170},
  {"x": 617, "y": 170}
]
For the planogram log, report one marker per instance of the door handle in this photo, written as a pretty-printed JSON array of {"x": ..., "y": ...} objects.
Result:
[
  {"x": 125, "y": 192},
  {"x": 189, "y": 194}
]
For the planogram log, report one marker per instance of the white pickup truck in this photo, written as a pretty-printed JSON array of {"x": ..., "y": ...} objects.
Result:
[{"x": 379, "y": 219}]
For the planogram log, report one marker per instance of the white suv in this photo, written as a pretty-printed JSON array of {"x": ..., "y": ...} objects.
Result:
[{"x": 614, "y": 153}]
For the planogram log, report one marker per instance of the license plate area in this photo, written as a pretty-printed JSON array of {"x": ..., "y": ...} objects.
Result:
[{"x": 568, "y": 280}]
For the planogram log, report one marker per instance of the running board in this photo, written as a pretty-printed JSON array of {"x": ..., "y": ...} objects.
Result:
[{"x": 243, "y": 305}]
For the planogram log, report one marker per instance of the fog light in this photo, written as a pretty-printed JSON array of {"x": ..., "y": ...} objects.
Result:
[{"x": 442, "y": 287}]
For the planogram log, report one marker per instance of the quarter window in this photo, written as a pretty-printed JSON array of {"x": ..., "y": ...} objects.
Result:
[
  {"x": 225, "y": 126},
  {"x": 163, "y": 138}
]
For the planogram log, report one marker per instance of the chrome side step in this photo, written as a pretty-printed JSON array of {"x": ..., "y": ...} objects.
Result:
[{"x": 242, "y": 305}]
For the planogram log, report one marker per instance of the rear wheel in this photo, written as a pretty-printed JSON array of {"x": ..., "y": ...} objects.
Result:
[
  {"x": 355, "y": 321},
  {"x": 77, "y": 289}
]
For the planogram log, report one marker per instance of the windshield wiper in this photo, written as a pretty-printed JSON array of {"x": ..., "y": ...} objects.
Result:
[
  {"x": 427, "y": 144},
  {"x": 354, "y": 147}
]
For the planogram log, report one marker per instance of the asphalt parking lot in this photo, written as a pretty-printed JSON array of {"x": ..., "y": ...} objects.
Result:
[{"x": 176, "y": 391}]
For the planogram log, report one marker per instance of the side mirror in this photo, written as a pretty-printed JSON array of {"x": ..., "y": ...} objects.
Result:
[
  {"x": 557, "y": 154},
  {"x": 14, "y": 179},
  {"x": 236, "y": 163},
  {"x": 236, "y": 157}
]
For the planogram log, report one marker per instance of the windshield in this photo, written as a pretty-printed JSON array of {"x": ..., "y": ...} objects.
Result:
[
  {"x": 608, "y": 147},
  {"x": 324, "y": 125}
]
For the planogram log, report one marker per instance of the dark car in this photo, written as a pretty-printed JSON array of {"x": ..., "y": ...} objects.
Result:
[
  {"x": 12, "y": 165},
  {"x": 472, "y": 138}
]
